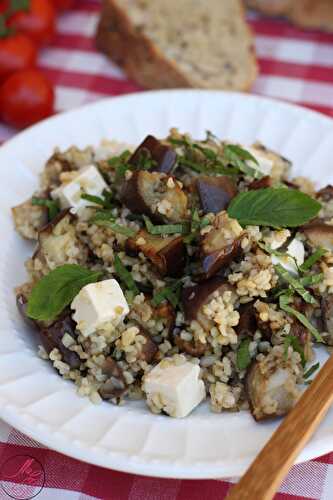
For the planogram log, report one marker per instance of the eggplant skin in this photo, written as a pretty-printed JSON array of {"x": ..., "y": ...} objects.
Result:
[
  {"x": 51, "y": 338},
  {"x": 167, "y": 254},
  {"x": 194, "y": 297},
  {"x": 319, "y": 234},
  {"x": 144, "y": 191},
  {"x": 264, "y": 182},
  {"x": 214, "y": 261},
  {"x": 115, "y": 386},
  {"x": 326, "y": 193},
  {"x": 215, "y": 192},
  {"x": 247, "y": 324},
  {"x": 271, "y": 391},
  {"x": 149, "y": 348},
  {"x": 164, "y": 156}
]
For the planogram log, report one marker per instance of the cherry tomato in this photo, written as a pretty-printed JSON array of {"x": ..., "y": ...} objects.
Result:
[
  {"x": 63, "y": 4},
  {"x": 17, "y": 52},
  {"x": 25, "y": 98},
  {"x": 38, "y": 23}
]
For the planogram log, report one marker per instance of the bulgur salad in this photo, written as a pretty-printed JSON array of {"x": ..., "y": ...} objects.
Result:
[{"x": 178, "y": 271}]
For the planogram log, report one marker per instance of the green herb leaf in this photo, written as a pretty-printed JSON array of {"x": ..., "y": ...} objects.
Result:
[
  {"x": 284, "y": 300},
  {"x": 311, "y": 370},
  {"x": 52, "y": 206},
  {"x": 317, "y": 255},
  {"x": 313, "y": 279},
  {"x": 117, "y": 228},
  {"x": 171, "y": 293},
  {"x": 238, "y": 156},
  {"x": 56, "y": 290},
  {"x": 295, "y": 284},
  {"x": 103, "y": 202},
  {"x": 273, "y": 207},
  {"x": 125, "y": 276},
  {"x": 120, "y": 164},
  {"x": 180, "y": 227},
  {"x": 291, "y": 340},
  {"x": 243, "y": 358}
]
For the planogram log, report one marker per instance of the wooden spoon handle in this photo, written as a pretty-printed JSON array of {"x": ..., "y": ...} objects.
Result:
[{"x": 268, "y": 470}]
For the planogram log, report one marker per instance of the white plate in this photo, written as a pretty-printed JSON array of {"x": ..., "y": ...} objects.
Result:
[{"x": 33, "y": 398}]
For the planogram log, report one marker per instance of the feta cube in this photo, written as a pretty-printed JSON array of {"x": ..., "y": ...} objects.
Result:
[
  {"x": 174, "y": 387},
  {"x": 88, "y": 181},
  {"x": 99, "y": 305},
  {"x": 295, "y": 252},
  {"x": 265, "y": 165}
]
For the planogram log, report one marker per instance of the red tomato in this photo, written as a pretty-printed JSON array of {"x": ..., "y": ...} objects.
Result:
[
  {"x": 25, "y": 98},
  {"x": 38, "y": 23},
  {"x": 17, "y": 52},
  {"x": 63, "y": 4}
]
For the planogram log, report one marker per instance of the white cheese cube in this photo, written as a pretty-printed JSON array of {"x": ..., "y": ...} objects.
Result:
[
  {"x": 88, "y": 181},
  {"x": 265, "y": 165},
  {"x": 99, "y": 305},
  {"x": 295, "y": 252},
  {"x": 174, "y": 388}
]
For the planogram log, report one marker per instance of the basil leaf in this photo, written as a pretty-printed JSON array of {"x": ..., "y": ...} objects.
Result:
[
  {"x": 275, "y": 207},
  {"x": 180, "y": 227},
  {"x": 311, "y": 370},
  {"x": 237, "y": 156},
  {"x": 243, "y": 358},
  {"x": 317, "y": 255},
  {"x": 295, "y": 284},
  {"x": 57, "y": 289},
  {"x": 284, "y": 300},
  {"x": 52, "y": 206},
  {"x": 291, "y": 340},
  {"x": 125, "y": 276}
]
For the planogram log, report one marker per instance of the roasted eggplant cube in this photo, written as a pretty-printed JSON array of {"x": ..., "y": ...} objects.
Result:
[
  {"x": 115, "y": 385},
  {"x": 163, "y": 157},
  {"x": 271, "y": 388},
  {"x": 150, "y": 193},
  {"x": 29, "y": 219},
  {"x": 221, "y": 245},
  {"x": 247, "y": 324},
  {"x": 319, "y": 234},
  {"x": 52, "y": 338},
  {"x": 215, "y": 193},
  {"x": 149, "y": 348},
  {"x": 264, "y": 182},
  {"x": 195, "y": 297},
  {"x": 167, "y": 254},
  {"x": 56, "y": 239}
]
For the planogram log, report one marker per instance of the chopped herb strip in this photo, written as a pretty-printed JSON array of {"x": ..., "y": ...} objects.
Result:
[
  {"x": 117, "y": 228},
  {"x": 238, "y": 156},
  {"x": 98, "y": 200},
  {"x": 310, "y": 261},
  {"x": 125, "y": 276},
  {"x": 180, "y": 227},
  {"x": 180, "y": 142},
  {"x": 311, "y": 370},
  {"x": 145, "y": 161},
  {"x": 57, "y": 289},
  {"x": 284, "y": 301},
  {"x": 200, "y": 169},
  {"x": 291, "y": 340},
  {"x": 207, "y": 152},
  {"x": 270, "y": 250},
  {"x": 196, "y": 225},
  {"x": 295, "y": 284},
  {"x": 171, "y": 293},
  {"x": 120, "y": 163},
  {"x": 211, "y": 137},
  {"x": 51, "y": 205},
  {"x": 274, "y": 207},
  {"x": 103, "y": 215},
  {"x": 243, "y": 358},
  {"x": 313, "y": 279}
]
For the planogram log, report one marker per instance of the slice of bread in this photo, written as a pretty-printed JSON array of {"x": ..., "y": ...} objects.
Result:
[
  {"x": 179, "y": 43},
  {"x": 305, "y": 13}
]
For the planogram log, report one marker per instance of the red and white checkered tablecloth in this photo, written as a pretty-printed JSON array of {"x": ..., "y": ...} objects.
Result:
[{"x": 296, "y": 66}]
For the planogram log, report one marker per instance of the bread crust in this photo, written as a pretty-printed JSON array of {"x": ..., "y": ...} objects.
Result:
[
  {"x": 315, "y": 14},
  {"x": 140, "y": 58}
]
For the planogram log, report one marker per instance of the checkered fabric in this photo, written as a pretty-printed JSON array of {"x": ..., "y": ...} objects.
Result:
[{"x": 294, "y": 65}]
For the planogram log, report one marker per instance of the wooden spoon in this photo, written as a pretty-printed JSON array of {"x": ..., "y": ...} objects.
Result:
[{"x": 264, "y": 476}]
